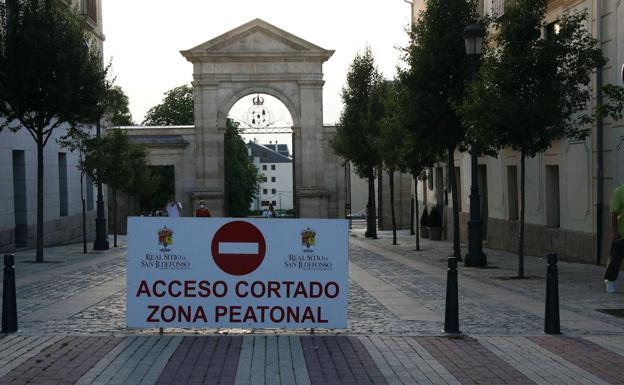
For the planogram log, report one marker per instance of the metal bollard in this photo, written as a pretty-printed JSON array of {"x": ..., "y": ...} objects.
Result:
[
  {"x": 9, "y": 301},
  {"x": 451, "y": 313},
  {"x": 551, "y": 319}
]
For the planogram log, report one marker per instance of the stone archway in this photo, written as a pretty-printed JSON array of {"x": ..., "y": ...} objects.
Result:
[{"x": 258, "y": 57}]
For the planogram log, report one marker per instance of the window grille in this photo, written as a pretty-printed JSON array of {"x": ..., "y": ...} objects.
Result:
[{"x": 498, "y": 8}]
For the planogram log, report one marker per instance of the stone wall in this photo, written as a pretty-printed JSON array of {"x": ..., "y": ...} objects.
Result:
[{"x": 64, "y": 230}]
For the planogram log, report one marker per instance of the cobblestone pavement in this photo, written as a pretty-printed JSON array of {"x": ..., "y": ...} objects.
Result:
[{"x": 72, "y": 327}]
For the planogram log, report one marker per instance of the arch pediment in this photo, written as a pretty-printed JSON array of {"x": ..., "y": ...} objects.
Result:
[{"x": 257, "y": 40}]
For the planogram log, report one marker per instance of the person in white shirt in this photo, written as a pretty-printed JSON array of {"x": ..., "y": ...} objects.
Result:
[{"x": 173, "y": 207}]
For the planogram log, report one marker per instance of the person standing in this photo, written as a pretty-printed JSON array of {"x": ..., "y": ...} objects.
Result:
[
  {"x": 202, "y": 211},
  {"x": 271, "y": 211},
  {"x": 617, "y": 245},
  {"x": 173, "y": 207}
]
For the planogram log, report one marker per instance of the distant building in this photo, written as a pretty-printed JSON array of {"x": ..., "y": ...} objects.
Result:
[
  {"x": 275, "y": 165},
  {"x": 62, "y": 194}
]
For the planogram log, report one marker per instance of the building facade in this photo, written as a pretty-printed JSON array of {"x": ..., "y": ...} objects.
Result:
[
  {"x": 568, "y": 187},
  {"x": 275, "y": 167},
  {"x": 62, "y": 188}
]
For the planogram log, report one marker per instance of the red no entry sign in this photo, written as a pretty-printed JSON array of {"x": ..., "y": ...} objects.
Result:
[{"x": 238, "y": 248}]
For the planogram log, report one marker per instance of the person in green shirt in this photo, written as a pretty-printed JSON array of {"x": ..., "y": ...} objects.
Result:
[{"x": 617, "y": 245}]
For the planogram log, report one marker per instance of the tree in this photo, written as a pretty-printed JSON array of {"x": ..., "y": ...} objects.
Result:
[
  {"x": 175, "y": 109},
  {"x": 120, "y": 164},
  {"x": 532, "y": 89},
  {"x": 76, "y": 140},
  {"x": 241, "y": 175},
  {"x": 438, "y": 69},
  {"x": 359, "y": 126},
  {"x": 51, "y": 76},
  {"x": 117, "y": 102},
  {"x": 391, "y": 138}
]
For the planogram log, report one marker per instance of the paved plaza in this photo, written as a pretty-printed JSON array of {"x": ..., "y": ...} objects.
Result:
[{"x": 72, "y": 327}]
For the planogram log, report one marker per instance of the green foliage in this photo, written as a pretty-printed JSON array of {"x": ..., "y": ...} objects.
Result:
[
  {"x": 391, "y": 142},
  {"x": 175, "y": 109},
  {"x": 114, "y": 160},
  {"x": 531, "y": 90},
  {"x": 241, "y": 176},
  {"x": 117, "y": 103},
  {"x": 50, "y": 75},
  {"x": 424, "y": 218},
  {"x": 358, "y": 130},
  {"x": 435, "y": 218},
  {"x": 41, "y": 88},
  {"x": 434, "y": 81},
  {"x": 615, "y": 105}
]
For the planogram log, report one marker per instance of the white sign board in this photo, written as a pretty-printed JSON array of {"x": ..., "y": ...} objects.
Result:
[{"x": 240, "y": 273}]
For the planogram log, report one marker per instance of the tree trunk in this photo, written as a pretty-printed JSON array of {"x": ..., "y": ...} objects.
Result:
[
  {"x": 371, "y": 222},
  {"x": 40, "y": 140},
  {"x": 84, "y": 215},
  {"x": 394, "y": 229},
  {"x": 417, "y": 219},
  {"x": 455, "y": 197},
  {"x": 380, "y": 198},
  {"x": 522, "y": 208},
  {"x": 114, "y": 218}
]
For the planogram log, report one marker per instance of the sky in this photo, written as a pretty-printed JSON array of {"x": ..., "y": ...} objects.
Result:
[{"x": 144, "y": 37}]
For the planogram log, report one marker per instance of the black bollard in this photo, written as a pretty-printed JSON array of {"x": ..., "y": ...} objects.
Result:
[
  {"x": 451, "y": 314},
  {"x": 9, "y": 302},
  {"x": 551, "y": 319}
]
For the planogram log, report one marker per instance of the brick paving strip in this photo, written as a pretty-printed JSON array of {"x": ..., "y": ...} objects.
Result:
[
  {"x": 339, "y": 360},
  {"x": 595, "y": 359},
  {"x": 63, "y": 362},
  {"x": 613, "y": 343},
  {"x": 137, "y": 360},
  {"x": 203, "y": 360},
  {"x": 18, "y": 349},
  {"x": 402, "y": 360},
  {"x": 272, "y": 360},
  {"x": 471, "y": 363},
  {"x": 537, "y": 363}
]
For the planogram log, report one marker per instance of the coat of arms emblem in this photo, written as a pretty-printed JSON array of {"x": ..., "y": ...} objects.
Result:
[
  {"x": 308, "y": 239},
  {"x": 165, "y": 237}
]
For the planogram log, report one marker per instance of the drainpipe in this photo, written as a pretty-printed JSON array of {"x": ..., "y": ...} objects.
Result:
[{"x": 599, "y": 139}]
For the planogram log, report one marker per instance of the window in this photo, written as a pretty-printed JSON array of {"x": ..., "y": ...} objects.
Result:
[
  {"x": 498, "y": 7},
  {"x": 265, "y": 191},
  {"x": 272, "y": 167},
  {"x": 265, "y": 203},
  {"x": 274, "y": 203},
  {"x": 62, "y": 173},
  {"x": 552, "y": 196},
  {"x": 512, "y": 192},
  {"x": 19, "y": 199},
  {"x": 273, "y": 191},
  {"x": 89, "y": 194},
  {"x": 273, "y": 179},
  {"x": 264, "y": 167},
  {"x": 89, "y": 8},
  {"x": 458, "y": 185}
]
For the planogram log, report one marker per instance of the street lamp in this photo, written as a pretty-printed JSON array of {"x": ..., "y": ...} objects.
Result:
[
  {"x": 473, "y": 37},
  {"x": 101, "y": 232}
]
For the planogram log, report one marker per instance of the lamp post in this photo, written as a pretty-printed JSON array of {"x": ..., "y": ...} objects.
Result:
[
  {"x": 101, "y": 233},
  {"x": 473, "y": 36}
]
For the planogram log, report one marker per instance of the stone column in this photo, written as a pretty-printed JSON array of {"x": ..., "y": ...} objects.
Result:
[
  {"x": 312, "y": 195},
  {"x": 209, "y": 151}
]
